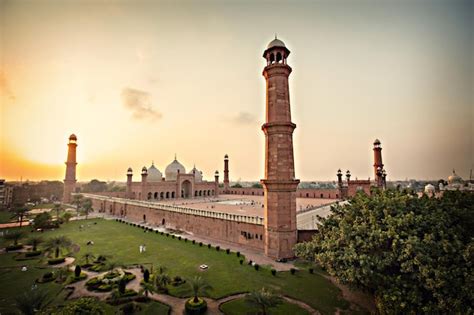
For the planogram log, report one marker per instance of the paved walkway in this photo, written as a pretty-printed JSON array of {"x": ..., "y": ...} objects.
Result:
[{"x": 176, "y": 304}]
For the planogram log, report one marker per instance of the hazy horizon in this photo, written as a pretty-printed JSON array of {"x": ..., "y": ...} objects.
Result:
[{"x": 142, "y": 81}]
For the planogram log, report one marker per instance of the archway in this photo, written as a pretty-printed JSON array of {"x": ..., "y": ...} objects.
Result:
[{"x": 186, "y": 189}]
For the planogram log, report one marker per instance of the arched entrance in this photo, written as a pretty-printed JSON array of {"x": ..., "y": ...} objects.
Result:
[{"x": 187, "y": 189}]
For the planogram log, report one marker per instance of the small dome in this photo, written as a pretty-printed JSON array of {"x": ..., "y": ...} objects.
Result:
[
  {"x": 377, "y": 142},
  {"x": 197, "y": 174},
  {"x": 171, "y": 171},
  {"x": 276, "y": 43},
  {"x": 144, "y": 170},
  {"x": 226, "y": 156},
  {"x": 430, "y": 189},
  {"x": 154, "y": 174},
  {"x": 73, "y": 137},
  {"x": 454, "y": 179}
]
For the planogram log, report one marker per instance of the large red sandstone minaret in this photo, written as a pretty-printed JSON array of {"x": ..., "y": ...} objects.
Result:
[
  {"x": 70, "y": 179},
  {"x": 226, "y": 173},
  {"x": 378, "y": 165},
  {"x": 279, "y": 183}
]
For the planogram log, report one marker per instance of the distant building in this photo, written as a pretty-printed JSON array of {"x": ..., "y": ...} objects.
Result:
[{"x": 6, "y": 195}]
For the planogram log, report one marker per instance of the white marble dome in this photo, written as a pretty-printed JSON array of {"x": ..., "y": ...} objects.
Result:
[
  {"x": 276, "y": 43},
  {"x": 171, "y": 171},
  {"x": 197, "y": 174},
  {"x": 430, "y": 189},
  {"x": 454, "y": 179},
  {"x": 154, "y": 174}
]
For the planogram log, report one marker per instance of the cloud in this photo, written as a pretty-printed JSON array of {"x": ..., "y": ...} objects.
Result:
[
  {"x": 139, "y": 103},
  {"x": 5, "y": 89},
  {"x": 243, "y": 118}
]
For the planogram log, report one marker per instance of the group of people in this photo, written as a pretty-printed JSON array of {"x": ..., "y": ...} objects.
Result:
[{"x": 142, "y": 248}]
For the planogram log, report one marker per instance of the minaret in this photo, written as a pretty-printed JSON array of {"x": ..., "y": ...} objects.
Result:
[
  {"x": 226, "y": 174},
  {"x": 144, "y": 185},
  {"x": 378, "y": 165},
  {"x": 129, "y": 183},
  {"x": 216, "y": 183},
  {"x": 279, "y": 183},
  {"x": 70, "y": 178}
]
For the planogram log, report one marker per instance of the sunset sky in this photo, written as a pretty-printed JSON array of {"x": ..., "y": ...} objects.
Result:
[{"x": 138, "y": 81}]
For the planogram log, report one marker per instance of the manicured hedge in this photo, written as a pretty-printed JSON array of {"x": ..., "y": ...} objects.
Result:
[{"x": 56, "y": 261}]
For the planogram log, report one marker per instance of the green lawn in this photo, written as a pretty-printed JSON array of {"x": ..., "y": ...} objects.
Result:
[
  {"x": 240, "y": 307},
  {"x": 6, "y": 216},
  {"x": 225, "y": 274}
]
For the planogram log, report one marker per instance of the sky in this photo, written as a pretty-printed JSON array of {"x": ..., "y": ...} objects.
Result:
[{"x": 141, "y": 81}]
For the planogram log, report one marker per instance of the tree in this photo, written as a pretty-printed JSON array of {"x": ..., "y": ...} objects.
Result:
[
  {"x": 95, "y": 185},
  {"x": 88, "y": 256},
  {"x": 148, "y": 288},
  {"x": 87, "y": 206},
  {"x": 263, "y": 300},
  {"x": 77, "y": 200},
  {"x": 35, "y": 241},
  {"x": 14, "y": 236},
  {"x": 146, "y": 275},
  {"x": 67, "y": 216},
  {"x": 42, "y": 221},
  {"x": 257, "y": 185},
  {"x": 414, "y": 254},
  {"x": 19, "y": 212},
  {"x": 56, "y": 244},
  {"x": 237, "y": 185},
  {"x": 84, "y": 305},
  {"x": 57, "y": 208},
  {"x": 122, "y": 286},
  {"x": 32, "y": 301},
  {"x": 198, "y": 286},
  {"x": 162, "y": 280},
  {"x": 77, "y": 271}
]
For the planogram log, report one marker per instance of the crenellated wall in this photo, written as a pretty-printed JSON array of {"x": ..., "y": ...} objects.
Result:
[
  {"x": 329, "y": 193},
  {"x": 239, "y": 229}
]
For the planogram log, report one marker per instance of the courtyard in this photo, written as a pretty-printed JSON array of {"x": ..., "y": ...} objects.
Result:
[{"x": 120, "y": 242}]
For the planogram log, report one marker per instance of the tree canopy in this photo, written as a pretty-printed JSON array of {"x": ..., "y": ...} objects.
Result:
[{"x": 414, "y": 254}]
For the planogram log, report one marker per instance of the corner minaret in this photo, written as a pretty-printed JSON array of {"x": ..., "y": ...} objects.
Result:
[
  {"x": 70, "y": 178},
  {"x": 226, "y": 174},
  {"x": 279, "y": 183},
  {"x": 378, "y": 165}
]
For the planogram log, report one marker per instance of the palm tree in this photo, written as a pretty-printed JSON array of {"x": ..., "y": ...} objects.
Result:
[
  {"x": 148, "y": 287},
  {"x": 77, "y": 200},
  {"x": 35, "y": 241},
  {"x": 198, "y": 286},
  {"x": 31, "y": 302},
  {"x": 263, "y": 299},
  {"x": 57, "y": 243},
  {"x": 14, "y": 236},
  {"x": 87, "y": 206},
  {"x": 67, "y": 216},
  {"x": 88, "y": 256},
  {"x": 162, "y": 280},
  {"x": 57, "y": 208},
  {"x": 19, "y": 212}
]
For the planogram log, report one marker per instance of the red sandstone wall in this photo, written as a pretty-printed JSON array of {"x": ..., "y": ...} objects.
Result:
[
  {"x": 332, "y": 193},
  {"x": 246, "y": 234},
  {"x": 306, "y": 235}
]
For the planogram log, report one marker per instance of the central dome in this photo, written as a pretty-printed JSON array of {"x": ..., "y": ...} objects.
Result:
[
  {"x": 171, "y": 171},
  {"x": 455, "y": 179},
  {"x": 154, "y": 174},
  {"x": 276, "y": 43}
]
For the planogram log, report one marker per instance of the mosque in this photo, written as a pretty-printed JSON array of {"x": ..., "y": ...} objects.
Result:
[
  {"x": 175, "y": 184},
  {"x": 271, "y": 219}
]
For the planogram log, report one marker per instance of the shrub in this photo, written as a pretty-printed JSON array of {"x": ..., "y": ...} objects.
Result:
[
  {"x": 192, "y": 308},
  {"x": 218, "y": 248},
  {"x": 33, "y": 254},
  {"x": 293, "y": 271},
  {"x": 241, "y": 261},
  {"x": 238, "y": 254},
  {"x": 156, "y": 231},
  {"x": 256, "y": 267},
  {"x": 77, "y": 271},
  {"x": 311, "y": 270},
  {"x": 48, "y": 275},
  {"x": 250, "y": 262},
  {"x": 185, "y": 240},
  {"x": 179, "y": 238},
  {"x": 274, "y": 272},
  {"x": 194, "y": 241},
  {"x": 56, "y": 261},
  {"x": 104, "y": 288},
  {"x": 227, "y": 251},
  {"x": 208, "y": 245},
  {"x": 128, "y": 277},
  {"x": 13, "y": 247},
  {"x": 162, "y": 233},
  {"x": 121, "y": 286},
  {"x": 172, "y": 236},
  {"x": 167, "y": 234},
  {"x": 146, "y": 275}
]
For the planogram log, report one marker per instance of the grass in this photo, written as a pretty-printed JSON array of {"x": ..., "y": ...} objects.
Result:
[
  {"x": 224, "y": 274},
  {"x": 239, "y": 307},
  {"x": 6, "y": 216}
]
